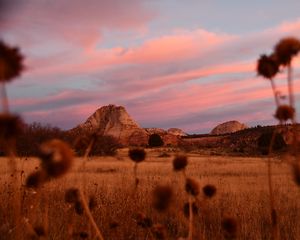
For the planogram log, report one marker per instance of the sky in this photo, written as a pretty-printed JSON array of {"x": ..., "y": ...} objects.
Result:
[{"x": 185, "y": 64}]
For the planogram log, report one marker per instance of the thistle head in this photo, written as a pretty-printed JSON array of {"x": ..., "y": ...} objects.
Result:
[
  {"x": 284, "y": 113},
  {"x": 209, "y": 190},
  {"x": 267, "y": 66},
  {"x": 229, "y": 226},
  {"x": 11, "y": 62},
  {"x": 286, "y": 49},
  {"x": 180, "y": 162},
  {"x": 56, "y": 156},
  {"x": 137, "y": 154}
]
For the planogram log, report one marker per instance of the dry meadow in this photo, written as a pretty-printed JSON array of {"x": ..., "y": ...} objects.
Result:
[{"x": 242, "y": 194}]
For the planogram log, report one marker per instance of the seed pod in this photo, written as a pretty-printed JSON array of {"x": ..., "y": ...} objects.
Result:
[
  {"x": 137, "y": 154},
  {"x": 36, "y": 179},
  {"x": 284, "y": 113},
  {"x": 229, "y": 226},
  {"x": 11, "y": 62},
  {"x": 180, "y": 162},
  {"x": 209, "y": 190},
  {"x": 267, "y": 66},
  {"x": 56, "y": 156},
  {"x": 286, "y": 49}
]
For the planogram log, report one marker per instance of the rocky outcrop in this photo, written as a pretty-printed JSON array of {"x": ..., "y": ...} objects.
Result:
[
  {"x": 176, "y": 132},
  {"x": 228, "y": 127},
  {"x": 115, "y": 121}
]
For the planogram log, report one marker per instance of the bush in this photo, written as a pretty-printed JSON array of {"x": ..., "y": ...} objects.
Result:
[
  {"x": 103, "y": 145},
  {"x": 33, "y": 135},
  {"x": 264, "y": 141},
  {"x": 155, "y": 140}
]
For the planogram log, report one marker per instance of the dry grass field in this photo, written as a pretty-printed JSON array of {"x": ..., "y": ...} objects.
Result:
[{"x": 241, "y": 193}]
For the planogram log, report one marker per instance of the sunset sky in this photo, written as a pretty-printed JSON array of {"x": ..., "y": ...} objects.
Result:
[{"x": 187, "y": 64}]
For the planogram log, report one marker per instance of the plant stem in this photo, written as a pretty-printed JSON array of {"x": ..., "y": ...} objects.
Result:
[
  {"x": 4, "y": 98},
  {"x": 274, "y": 232},
  {"x": 190, "y": 236},
  {"x": 90, "y": 216},
  {"x": 274, "y": 92},
  {"x": 290, "y": 86}
]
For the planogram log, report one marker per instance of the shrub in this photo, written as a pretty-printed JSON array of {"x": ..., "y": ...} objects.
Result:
[
  {"x": 264, "y": 141},
  {"x": 103, "y": 145},
  {"x": 33, "y": 135},
  {"x": 155, "y": 140}
]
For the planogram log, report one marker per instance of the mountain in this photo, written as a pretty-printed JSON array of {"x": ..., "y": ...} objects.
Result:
[
  {"x": 228, "y": 127},
  {"x": 115, "y": 121}
]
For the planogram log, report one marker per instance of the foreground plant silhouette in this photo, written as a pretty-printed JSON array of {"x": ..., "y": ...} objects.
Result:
[
  {"x": 268, "y": 67},
  {"x": 11, "y": 66}
]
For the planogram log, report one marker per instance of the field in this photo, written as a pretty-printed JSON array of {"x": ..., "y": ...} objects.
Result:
[{"x": 242, "y": 193}]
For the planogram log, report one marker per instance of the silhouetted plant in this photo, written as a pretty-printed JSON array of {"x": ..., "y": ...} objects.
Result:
[{"x": 264, "y": 141}]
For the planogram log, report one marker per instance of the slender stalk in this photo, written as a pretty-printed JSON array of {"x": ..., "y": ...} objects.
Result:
[
  {"x": 274, "y": 232},
  {"x": 190, "y": 235},
  {"x": 4, "y": 98},
  {"x": 274, "y": 92},
  {"x": 83, "y": 166},
  {"x": 290, "y": 86},
  {"x": 90, "y": 216},
  {"x": 136, "y": 180}
]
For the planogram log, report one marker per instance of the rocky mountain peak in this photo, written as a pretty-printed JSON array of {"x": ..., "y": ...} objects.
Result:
[
  {"x": 115, "y": 121},
  {"x": 228, "y": 127}
]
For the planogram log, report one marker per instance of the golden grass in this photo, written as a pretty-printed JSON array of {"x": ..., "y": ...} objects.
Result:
[{"x": 242, "y": 193}]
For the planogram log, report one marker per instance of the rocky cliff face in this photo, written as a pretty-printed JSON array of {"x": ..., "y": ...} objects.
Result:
[
  {"x": 228, "y": 127},
  {"x": 176, "y": 132},
  {"x": 115, "y": 121}
]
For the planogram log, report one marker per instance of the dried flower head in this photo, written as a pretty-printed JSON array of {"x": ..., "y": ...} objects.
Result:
[
  {"x": 83, "y": 235},
  {"x": 78, "y": 207},
  {"x": 192, "y": 186},
  {"x": 159, "y": 231},
  {"x": 186, "y": 209},
  {"x": 113, "y": 225},
  {"x": 286, "y": 49},
  {"x": 36, "y": 179},
  {"x": 72, "y": 195},
  {"x": 180, "y": 162},
  {"x": 56, "y": 156},
  {"x": 284, "y": 113},
  {"x": 296, "y": 173},
  {"x": 137, "y": 154},
  {"x": 11, "y": 62},
  {"x": 10, "y": 126},
  {"x": 229, "y": 226},
  {"x": 267, "y": 66},
  {"x": 209, "y": 190},
  {"x": 40, "y": 231},
  {"x": 162, "y": 196},
  {"x": 92, "y": 202},
  {"x": 143, "y": 221}
]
